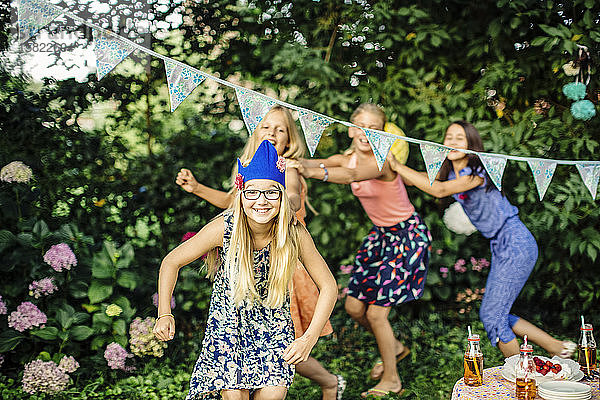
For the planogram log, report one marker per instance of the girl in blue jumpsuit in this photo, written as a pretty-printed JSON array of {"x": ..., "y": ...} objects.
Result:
[{"x": 514, "y": 249}]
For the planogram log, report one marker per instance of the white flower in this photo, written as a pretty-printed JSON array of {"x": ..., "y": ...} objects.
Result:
[
  {"x": 570, "y": 69},
  {"x": 457, "y": 221}
]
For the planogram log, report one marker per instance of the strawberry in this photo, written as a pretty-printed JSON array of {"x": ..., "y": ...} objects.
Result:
[{"x": 558, "y": 368}]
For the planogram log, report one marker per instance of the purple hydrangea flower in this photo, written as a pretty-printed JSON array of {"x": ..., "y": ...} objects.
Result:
[
  {"x": 115, "y": 355},
  {"x": 60, "y": 256},
  {"x": 43, "y": 287},
  {"x": 45, "y": 377},
  {"x": 155, "y": 300},
  {"x": 27, "y": 316}
]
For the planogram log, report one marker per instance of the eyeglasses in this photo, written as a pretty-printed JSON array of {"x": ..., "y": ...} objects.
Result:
[{"x": 254, "y": 194}]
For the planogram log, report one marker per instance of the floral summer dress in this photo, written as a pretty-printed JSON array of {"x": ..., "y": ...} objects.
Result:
[{"x": 242, "y": 346}]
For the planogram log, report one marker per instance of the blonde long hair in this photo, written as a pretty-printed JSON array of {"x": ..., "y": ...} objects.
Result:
[
  {"x": 239, "y": 260},
  {"x": 369, "y": 108}
]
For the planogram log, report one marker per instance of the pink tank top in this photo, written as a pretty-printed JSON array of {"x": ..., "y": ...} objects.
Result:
[{"x": 386, "y": 202}]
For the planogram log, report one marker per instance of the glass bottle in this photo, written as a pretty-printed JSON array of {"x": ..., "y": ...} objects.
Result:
[
  {"x": 473, "y": 362},
  {"x": 526, "y": 388},
  {"x": 587, "y": 350}
]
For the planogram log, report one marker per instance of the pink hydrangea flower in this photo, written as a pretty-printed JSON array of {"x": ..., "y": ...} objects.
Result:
[
  {"x": 68, "y": 364},
  {"x": 60, "y": 256},
  {"x": 43, "y": 287},
  {"x": 16, "y": 172},
  {"x": 444, "y": 271},
  {"x": 155, "y": 300},
  {"x": 479, "y": 264},
  {"x": 27, "y": 316},
  {"x": 188, "y": 235},
  {"x": 459, "y": 266},
  {"x": 115, "y": 355},
  {"x": 44, "y": 377},
  {"x": 346, "y": 269},
  {"x": 3, "y": 309}
]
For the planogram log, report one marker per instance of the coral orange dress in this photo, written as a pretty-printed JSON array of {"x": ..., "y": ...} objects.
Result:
[{"x": 304, "y": 291}]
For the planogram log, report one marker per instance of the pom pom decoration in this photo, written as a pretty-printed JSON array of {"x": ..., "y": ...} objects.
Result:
[
  {"x": 583, "y": 110},
  {"x": 457, "y": 221},
  {"x": 400, "y": 147},
  {"x": 574, "y": 90},
  {"x": 570, "y": 69}
]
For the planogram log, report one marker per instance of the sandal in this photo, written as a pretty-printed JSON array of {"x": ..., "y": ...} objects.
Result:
[
  {"x": 379, "y": 393},
  {"x": 399, "y": 357},
  {"x": 568, "y": 348},
  {"x": 341, "y": 387}
]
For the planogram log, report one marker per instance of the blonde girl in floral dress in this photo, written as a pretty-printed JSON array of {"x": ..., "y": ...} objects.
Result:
[
  {"x": 279, "y": 128},
  {"x": 253, "y": 249}
]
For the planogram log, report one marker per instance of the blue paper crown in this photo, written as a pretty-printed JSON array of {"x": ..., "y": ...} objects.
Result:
[{"x": 265, "y": 164}]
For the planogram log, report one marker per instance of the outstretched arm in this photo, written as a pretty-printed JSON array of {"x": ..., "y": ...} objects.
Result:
[
  {"x": 338, "y": 172},
  {"x": 293, "y": 186},
  {"x": 208, "y": 238},
  {"x": 318, "y": 270},
  {"x": 217, "y": 198},
  {"x": 438, "y": 188}
]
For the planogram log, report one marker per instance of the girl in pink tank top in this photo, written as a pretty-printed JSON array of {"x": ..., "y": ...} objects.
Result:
[{"x": 391, "y": 265}]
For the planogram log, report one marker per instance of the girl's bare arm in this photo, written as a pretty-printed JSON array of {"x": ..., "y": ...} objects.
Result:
[{"x": 438, "y": 188}]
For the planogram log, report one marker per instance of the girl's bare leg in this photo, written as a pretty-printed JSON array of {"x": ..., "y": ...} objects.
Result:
[
  {"x": 271, "y": 393},
  {"x": 358, "y": 312},
  {"x": 241, "y": 394},
  {"x": 314, "y": 371},
  {"x": 538, "y": 336}
]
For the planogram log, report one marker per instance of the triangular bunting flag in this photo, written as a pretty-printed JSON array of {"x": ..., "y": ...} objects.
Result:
[
  {"x": 313, "y": 126},
  {"x": 494, "y": 167},
  {"x": 110, "y": 51},
  {"x": 590, "y": 173},
  {"x": 253, "y": 106},
  {"x": 542, "y": 174},
  {"x": 433, "y": 156},
  {"x": 182, "y": 80},
  {"x": 33, "y": 15},
  {"x": 380, "y": 144}
]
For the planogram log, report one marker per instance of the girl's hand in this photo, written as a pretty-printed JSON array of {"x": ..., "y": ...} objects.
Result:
[
  {"x": 164, "y": 328},
  {"x": 186, "y": 180},
  {"x": 299, "y": 350},
  {"x": 289, "y": 163}
]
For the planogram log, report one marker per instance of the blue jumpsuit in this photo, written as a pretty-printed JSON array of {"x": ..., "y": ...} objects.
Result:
[{"x": 514, "y": 254}]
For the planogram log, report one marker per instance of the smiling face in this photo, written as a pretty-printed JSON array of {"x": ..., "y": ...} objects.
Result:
[
  {"x": 260, "y": 210},
  {"x": 367, "y": 120},
  {"x": 457, "y": 138},
  {"x": 274, "y": 129}
]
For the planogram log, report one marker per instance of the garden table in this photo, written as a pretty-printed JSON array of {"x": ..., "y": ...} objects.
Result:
[{"x": 495, "y": 387}]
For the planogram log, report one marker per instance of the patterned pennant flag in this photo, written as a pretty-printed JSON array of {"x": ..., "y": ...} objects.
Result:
[
  {"x": 253, "y": 106},
  {"x": 590, "y": 173},
  {"x": 380, "y": 144},
  {"x": 33, "y": 15},
  {"x": 110, "y": 51},
  {"x": 313, "y": 126},
  {"x": 494, "y": 167},
  {"x": 542, "y": 174},
  {"x": 182, "y": 80},
  {"x": 433, "y": 156}
]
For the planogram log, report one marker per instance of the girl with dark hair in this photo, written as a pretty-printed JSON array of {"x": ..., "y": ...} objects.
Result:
[{"x": 514, "y": 249}]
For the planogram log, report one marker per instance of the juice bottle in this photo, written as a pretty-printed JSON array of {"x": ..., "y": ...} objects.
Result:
[
  {"x": 587, "y": 350},
  {"x": 473, "y": 362},
  {"x": 526, "y": 388}
]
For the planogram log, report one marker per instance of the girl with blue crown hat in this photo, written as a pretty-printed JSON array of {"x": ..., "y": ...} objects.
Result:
[{"x": 253, "y": 248}]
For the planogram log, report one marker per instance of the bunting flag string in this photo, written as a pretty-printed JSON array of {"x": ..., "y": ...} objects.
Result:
[
  {"x": 433, "y": 156},
  {"x": 380, "y": 144},
  {"x": 33, "y": 15},
  {"x": 313, "y": 126},
  {"x": 181, "y": 81},
  {"x": 253, "y": 107},
  {"x": 590, "y": 174},
  {"x": 494, "y": 167},
  {"x": 110, "y": 49},
  {"x": 542, "y": 174}
]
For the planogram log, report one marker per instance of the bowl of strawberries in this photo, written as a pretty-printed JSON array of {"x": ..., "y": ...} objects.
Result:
[{"x": 546, "y": 369}]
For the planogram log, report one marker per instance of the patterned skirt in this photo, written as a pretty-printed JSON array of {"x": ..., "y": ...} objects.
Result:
[{"x": 391, "y": 264}]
